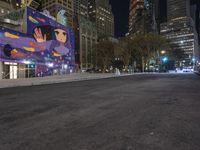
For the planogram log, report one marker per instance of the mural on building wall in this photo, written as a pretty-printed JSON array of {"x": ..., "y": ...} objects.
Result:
[{"x": 46, "y": 42}]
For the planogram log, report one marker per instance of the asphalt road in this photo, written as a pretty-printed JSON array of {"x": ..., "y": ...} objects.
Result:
[{"x": 142, "y": 112}]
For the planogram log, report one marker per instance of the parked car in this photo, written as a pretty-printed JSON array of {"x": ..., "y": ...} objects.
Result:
[
  {"x": 93, "y": 70},
  {"x": 188, "y": 69},
  {"x": 179, "y": 70}
]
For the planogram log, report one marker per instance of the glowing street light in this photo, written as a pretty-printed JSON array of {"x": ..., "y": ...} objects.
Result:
[
  {"x": 163, "y": 52},
  {"x": 165, "y": 59}
]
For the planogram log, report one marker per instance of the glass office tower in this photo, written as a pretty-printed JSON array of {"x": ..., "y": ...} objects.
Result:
[
  {"x": 177, "y": 8},
  {"x": 180, "y": 30}
]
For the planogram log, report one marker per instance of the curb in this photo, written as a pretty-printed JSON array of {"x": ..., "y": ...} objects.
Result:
[
  {"x": 63, "y": 79},
  {"x": 197, "y": 72},
  {"x": 49, "y": 81}
]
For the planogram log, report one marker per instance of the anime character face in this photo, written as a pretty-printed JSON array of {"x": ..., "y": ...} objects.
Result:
[{"x": 61, "y": 35}]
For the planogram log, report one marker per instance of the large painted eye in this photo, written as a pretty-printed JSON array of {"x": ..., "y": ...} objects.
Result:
[
  {"x": 57, "y": 32},
  {"x": 64, "y": 33}
]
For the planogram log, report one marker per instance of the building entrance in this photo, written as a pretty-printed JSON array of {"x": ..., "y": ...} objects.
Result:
[{"x": 10, "y": 70}]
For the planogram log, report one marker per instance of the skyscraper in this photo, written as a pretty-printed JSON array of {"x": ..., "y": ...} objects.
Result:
[
  {"x": 195, "y": 13},
  {"x": 177, "y": 8},
  {"x": 12, "y": 13},
  {"x": 81, "y": 8},
  {"x": 92, "y": 10},
  {"x": 6, "y": 6},
  {"x": 135, "y": 7},
  {"x": 180, "y": 30},
  {"x": 142, "y": 16},
  {"x": 100, "y": 12},
  {"x": 150, "y": 8},
  {"x": 86, "y": 34}
]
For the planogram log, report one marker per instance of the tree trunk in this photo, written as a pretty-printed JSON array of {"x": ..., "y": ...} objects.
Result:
[
  {"x": 104, "y": 68},
  {"x": 126, "y": 68},
  {"x": 143, "y": 64}
]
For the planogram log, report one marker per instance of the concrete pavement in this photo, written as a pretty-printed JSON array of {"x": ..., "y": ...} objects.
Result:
[
  {"x": 5, "y": 83},
  {"x": 140, "y": 112}
]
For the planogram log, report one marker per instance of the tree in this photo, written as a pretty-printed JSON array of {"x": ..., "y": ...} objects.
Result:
[
  {"x": 123, "y": 51},
  {"x": 104, "y": 54},
  {"x": 176, "y": 54},
  {"x": 150, "y": 46},
  {"x": 145, "y": 50}
]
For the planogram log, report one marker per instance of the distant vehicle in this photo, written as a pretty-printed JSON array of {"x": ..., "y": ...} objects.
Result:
[
  {"x": 93, "y": 70},
  {"x": 179, "y": 70},
  {"x": 156, "y": 68},
  {"x": 188, "y": 69},
  {"x": 83, "y": 70}
]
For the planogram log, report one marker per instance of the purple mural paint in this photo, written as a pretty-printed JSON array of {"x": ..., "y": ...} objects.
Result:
[{"x": 46, "y": 42}]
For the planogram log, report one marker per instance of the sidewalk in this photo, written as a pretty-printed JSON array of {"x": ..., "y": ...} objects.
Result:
[{"x": 5, "y": 83}]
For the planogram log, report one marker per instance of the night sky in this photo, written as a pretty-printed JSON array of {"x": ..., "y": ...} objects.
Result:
[{"x": 120, "y": 10}]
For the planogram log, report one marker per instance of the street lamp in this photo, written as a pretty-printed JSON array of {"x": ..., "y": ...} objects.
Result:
[
  {"x": 163, "y": 52},
  {"x": 164, "y": 59},
  {"x": 164, "y": 62}
]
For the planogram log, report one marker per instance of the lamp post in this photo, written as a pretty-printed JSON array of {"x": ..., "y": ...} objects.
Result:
[{"x": 164, "y": 61}]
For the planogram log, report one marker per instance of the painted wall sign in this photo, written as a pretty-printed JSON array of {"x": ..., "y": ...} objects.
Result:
[{"x": 46, "y": 42}]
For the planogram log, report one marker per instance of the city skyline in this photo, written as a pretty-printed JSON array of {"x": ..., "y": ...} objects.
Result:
[
  {"x": 93, "y": 22},
  {"x": 121, "y": 14}
]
